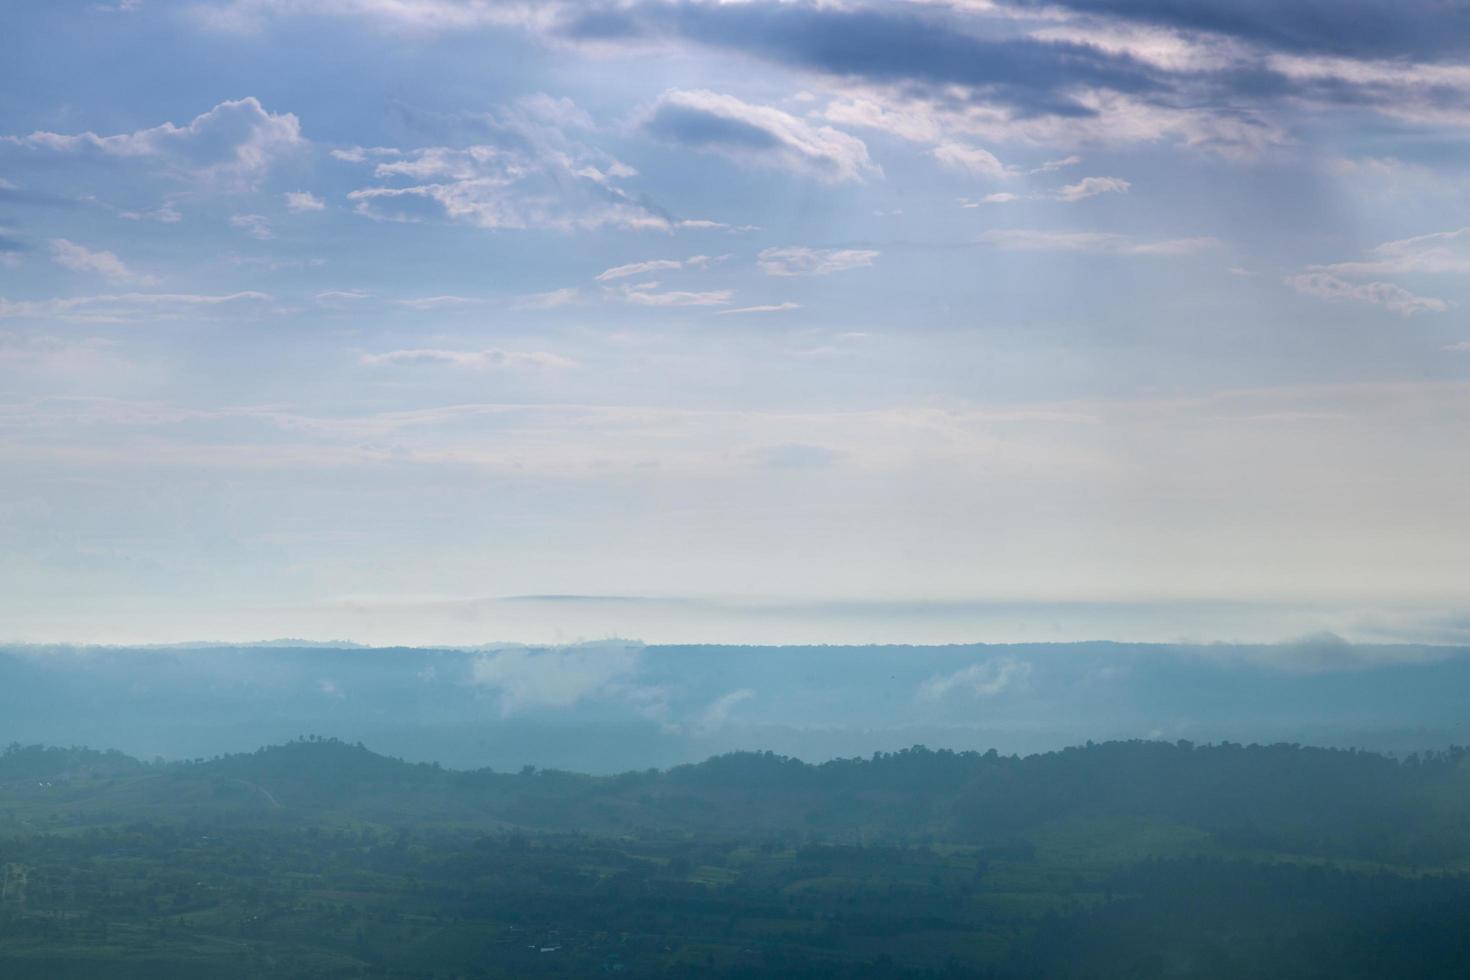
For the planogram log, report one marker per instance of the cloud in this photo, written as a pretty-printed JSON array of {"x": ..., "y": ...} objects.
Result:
[
  {"x": 1463, "y": 347},
  {"x": 1445, "y": 252},
  {"x": 549, "y": 300},
  {"x": 529, "y": 679},
  {"x": 766, "y": 308},
  {"x": 717, "y": 714},
  {"x": 1001, "y": 197},
  {"x": 1394, "y": 298},
  {"x": 79, "y": 258},
  {"x": 982, "y": 680},
  {"x": 798, "y": 260},
  {"x": 643, "y": 268},
  {"x": 120, "y": 307},
  {"x": 164, "y": 214},
  {"x": 972, "y": 160},
  {"x": 1091, "y": 187},
  {"x": 434, "y": 302},
  {"x": 1032, "y": 240},
  {"x": 890, "y": 45},
  {"x": 1412, "y": 29},
  {"x": 758, "y": 136},
  {"x": 254, "y": 225},
  {"x": 524, "y": 172},
  {"x": 647, "y": 294},
  {"x": 704, "y": 224},
  {"x": 300, "y": 201},
  {"x": 232, "y": 145},
  {"x": 417, "y": 15},
  {"x": 1052, "y": 166},
  {"x": 342, "y": 295},
  {"x": 492, "y": 359}
]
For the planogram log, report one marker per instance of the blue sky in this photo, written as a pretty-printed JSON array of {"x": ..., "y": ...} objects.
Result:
[{"x": 967, "y": 320}]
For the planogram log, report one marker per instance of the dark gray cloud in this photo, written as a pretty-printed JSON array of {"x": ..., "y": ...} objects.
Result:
[
  {"x": 884, "y": 46},
  {"x": 936, "y": 52},
  {"x": 1419, "y": 30}
]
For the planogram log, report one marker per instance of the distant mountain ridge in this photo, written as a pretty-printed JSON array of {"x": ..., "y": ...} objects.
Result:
[{"x": 619, "y": 705}]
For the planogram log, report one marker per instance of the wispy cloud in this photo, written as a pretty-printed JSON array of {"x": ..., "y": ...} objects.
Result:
[
  {"x": 492, "y": 359},
  {"x": 651, "y": 265},
  {"x": 527, "y": 679},
  {"x": 981, "y": 680},
  {"x": 79, "y": 258},
  {"x": 1093, "y": 186},
  {"x": 758, "y": 135},
  {"x": 799, "y": 260},
  {"x": 300, "y": 201},
  {"x": 649, "y": 294},
  {"x": 232, "y": 145},
  {"x": 1052, "y": 166},
  {"x": 972, "y": 160},
  {"x": 1033, "y": 240},
  {"x": 1394, "y": 298},
  {"x": 120, "y": 307},
  {"x": 530, "y": 171},
  {"x": 549, "y": 300},
  {"x": 766, "y": 308},
  {"x": 254, "y": 225}
]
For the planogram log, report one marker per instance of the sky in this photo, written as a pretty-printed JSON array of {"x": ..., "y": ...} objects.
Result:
[{"x": 461, "y": 321}]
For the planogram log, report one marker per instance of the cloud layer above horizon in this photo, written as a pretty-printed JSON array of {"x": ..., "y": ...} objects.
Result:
[{"x": 313, "y": 314}]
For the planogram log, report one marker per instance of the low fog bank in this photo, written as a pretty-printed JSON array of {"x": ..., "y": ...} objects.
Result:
[{"x": 618, "y": 705}]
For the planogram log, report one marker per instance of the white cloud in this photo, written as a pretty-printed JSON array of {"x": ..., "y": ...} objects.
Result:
[
  {"x": 549, "y": 300},
  {"x": 254, "y": 225},
  {"x": 1033, "y": 240},
  {"x": 1394, "y": 298},
  {"x": 434, "y": 302},
  {"x": 717, "y": 714},
  {"x": 1092, "y": 186},
  {"x": 638, "y": 269},
  {"x": 1439, "y": 252},
  {"x": 1463, "y": 347},
  {"x": 1162, "y": 47},
  {"x": 526, "y": 679},
  {"x": 759, "y": 136},
  {"x": 1173, "y": 246},
  {"x": 416, "y": 15},
  {"x": 704, "y": 224},
  {"x": 79, "y": 258},
  {"x": 342, "y": 295},
  {"x": 982, "y": 680},
  {"x": 767, "y": 308},
  {"x": 299, "y": 201},
  {"x": 1052, "y": 166},
  {"x": 1000, "y": 197},
  {"x": 1114, "y": 119},
  {"x": 493, "y": 359},
  {"x": 647, "y": 294},
  {"x": 232, "y": 145},
  {"x": 972, "y": 160},
  {"x": 119, "y": 307},
  {"x": 164, "y": 214},
  {"x": 907, "y": 120},
  {"x": 530, "y": 174},
  {"x": 798, "y": 260}
]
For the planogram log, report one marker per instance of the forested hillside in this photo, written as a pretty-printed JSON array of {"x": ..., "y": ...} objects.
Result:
[{"x": 1134, "y": 859}]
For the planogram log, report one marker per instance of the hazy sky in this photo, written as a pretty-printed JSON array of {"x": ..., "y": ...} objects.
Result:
[{"x": 981, "y": 319}]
